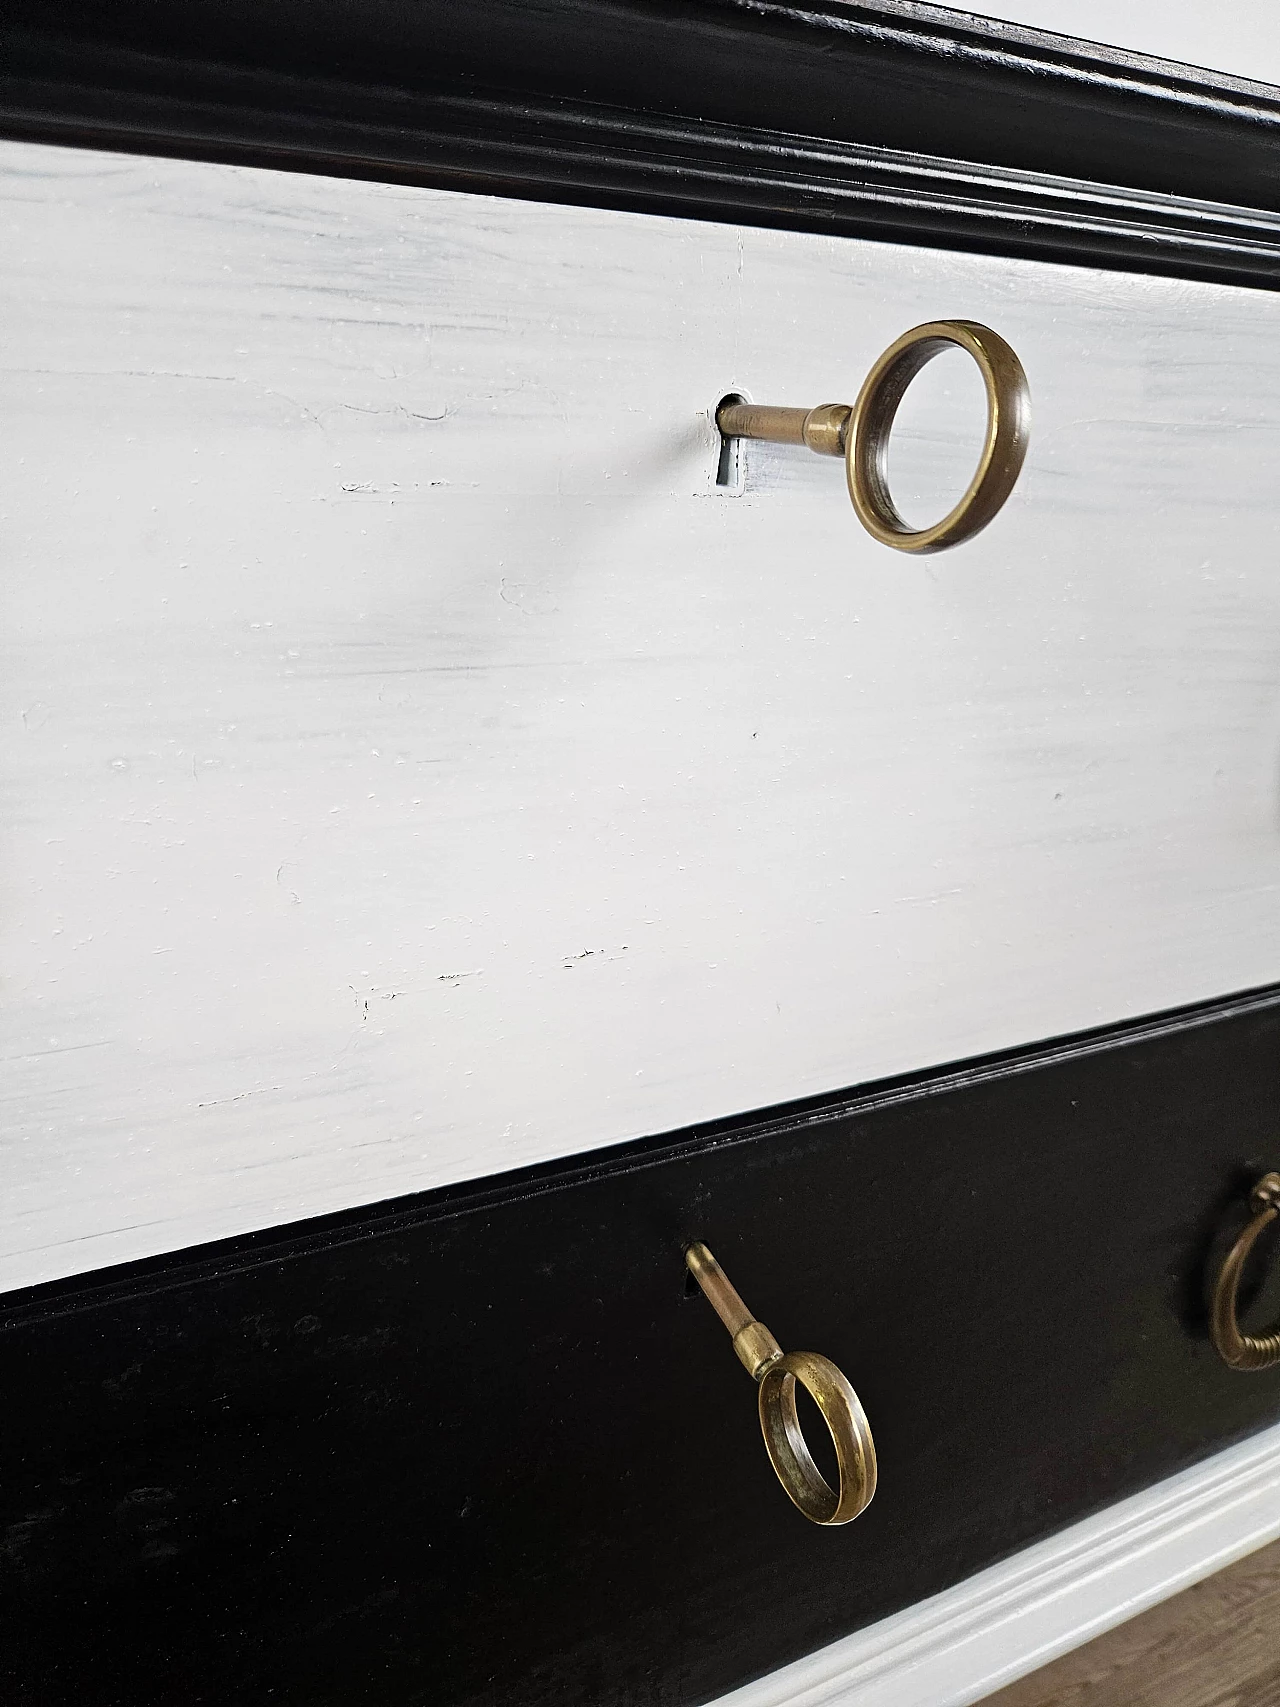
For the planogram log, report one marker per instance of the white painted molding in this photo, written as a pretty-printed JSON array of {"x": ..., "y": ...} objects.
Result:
[{"x": 1005, "y": 1622}]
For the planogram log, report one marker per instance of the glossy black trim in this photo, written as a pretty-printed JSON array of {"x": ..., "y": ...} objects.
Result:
[
  {"x": 902, "y": 122},
  {"x": 481, "y": 1447}
]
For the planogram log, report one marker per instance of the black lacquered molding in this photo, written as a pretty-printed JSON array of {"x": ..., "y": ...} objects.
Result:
[
  {"x": 480, "y": 1446},
  {"x": 901, "y": 122}
]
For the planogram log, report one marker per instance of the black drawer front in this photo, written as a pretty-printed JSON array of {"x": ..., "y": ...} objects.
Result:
[{"x": 485, "y": 1446}]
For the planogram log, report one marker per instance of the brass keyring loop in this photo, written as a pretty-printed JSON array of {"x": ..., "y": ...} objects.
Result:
[
  {"x": 1241, "y": 1350},
  {"x": 777, "y": 1373},
  {"x": 867, "y": 436},
  {"x": 789, "y": 1452}
]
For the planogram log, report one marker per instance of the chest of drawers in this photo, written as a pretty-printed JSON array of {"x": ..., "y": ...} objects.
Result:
[{"x": 474, "y": 830}]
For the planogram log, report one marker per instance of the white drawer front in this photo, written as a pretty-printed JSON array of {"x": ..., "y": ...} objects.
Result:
[{"x": 416, "y": 767}]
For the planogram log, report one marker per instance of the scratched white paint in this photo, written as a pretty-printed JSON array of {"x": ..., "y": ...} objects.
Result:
[{"x": 413, "y": 766}]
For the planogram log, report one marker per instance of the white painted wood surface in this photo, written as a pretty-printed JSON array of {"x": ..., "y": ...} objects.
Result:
[
  {"x": 414, "y": 767},
  {"x": 966, "y": 1643}
]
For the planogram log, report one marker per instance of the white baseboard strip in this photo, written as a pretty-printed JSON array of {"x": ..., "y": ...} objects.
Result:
[{"x": 973, "y": 1639}]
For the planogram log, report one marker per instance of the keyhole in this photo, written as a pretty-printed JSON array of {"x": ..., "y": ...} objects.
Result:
[{"x": 730, "y": 468}]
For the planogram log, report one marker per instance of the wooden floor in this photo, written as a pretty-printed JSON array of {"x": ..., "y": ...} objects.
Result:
[{"x": 1216, "y": 1645}]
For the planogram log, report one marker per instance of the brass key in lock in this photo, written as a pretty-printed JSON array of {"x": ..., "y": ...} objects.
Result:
[
  {"x": 1236, "y": 1348},
  {"x": 860, "y": 432},
  {"x": 777, "y": 1372}
]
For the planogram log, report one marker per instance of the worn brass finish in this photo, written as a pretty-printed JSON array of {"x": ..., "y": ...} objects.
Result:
[
  {"x": 1240, "y": 1350},
  {"x": 850, "y": 1433},
  {"x": 1003, "y": 450},
  {"x": 821, "y": 429},
  {"x": 777, "y": 1373},
  {"x": 861, "y": 434}
]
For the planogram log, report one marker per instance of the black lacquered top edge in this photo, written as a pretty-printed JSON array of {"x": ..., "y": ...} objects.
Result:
[
  {"x": 283, "y": 1244},
  {"x": 897, "y": 121}
]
